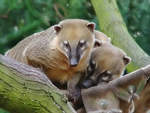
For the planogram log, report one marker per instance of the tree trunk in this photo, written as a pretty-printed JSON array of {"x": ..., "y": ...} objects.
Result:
[
  {"x": 24, "y": 89},
  {"x": 112, "y": 24}
]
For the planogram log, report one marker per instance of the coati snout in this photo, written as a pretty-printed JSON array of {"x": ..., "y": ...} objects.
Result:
[{"x": 74, "y": 54}]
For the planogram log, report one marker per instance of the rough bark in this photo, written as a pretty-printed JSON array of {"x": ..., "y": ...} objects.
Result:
[
  {"x": 112, "y": 24},
  {"x": 24, "y": 89}
]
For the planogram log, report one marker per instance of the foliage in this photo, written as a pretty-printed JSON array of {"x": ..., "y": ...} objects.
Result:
[
  {"x": 3, "y": 111},
  {"x": 20, "y": 18},
  {"x": 136, "y": 14}
]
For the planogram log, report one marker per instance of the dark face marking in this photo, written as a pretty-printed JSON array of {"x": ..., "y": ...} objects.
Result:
[
  {"x": 93, "y": 80},
  {"x": 105, "y": 77},
  {"x": 74, "y": 54},
  {"x": 97, "y": 43},
  {"x": 94, "y": 76},
  {"x": 88, "y": 80},
  {"x": 81, "y": 47},
  {"x": 67, "y": 48}
]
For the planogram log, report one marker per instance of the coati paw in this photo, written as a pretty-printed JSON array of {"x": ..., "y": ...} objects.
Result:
[{"x": 74, "y": 96}]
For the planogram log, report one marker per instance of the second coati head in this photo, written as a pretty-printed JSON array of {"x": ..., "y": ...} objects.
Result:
[
  {"x": 102, "y": 37},
  {"x": 107, "y": 63},
  {"x": 75, "y": 40}
]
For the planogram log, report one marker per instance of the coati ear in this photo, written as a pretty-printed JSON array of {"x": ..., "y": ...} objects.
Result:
[
  {"x": 126, "y": 60},
  {"x": 57, "y": 28},
  {"x": 91, "y": 26},
  {"x": 97, "y": 43}
]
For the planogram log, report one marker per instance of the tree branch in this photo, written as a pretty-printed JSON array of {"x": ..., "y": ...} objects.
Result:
[
  {"x": 24, "y": 89},
  {"x": 91, "y": 95}
]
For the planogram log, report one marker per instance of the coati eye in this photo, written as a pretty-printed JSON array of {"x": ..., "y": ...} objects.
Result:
[
  {"x": 66, "y": 46},
  {"x": 66, "y": 43},
  {"x": 81, "y": 47},
  {"x": 82, "y": 43}
]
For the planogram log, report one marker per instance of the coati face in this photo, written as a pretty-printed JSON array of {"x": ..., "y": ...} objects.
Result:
[
  {"x": 107, "y": 63},
  {"x": 74, "y": 54},
  {"x": 75, "y": 40},
  {"x": 110, "y": 58}
]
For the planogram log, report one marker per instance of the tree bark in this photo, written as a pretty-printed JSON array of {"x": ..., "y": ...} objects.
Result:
[
  {"x": 24, "y": 89},
  {"x": 112, "y": 24}
]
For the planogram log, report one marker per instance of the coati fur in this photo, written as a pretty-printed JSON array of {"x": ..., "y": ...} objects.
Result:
[
  {"x": 102, "y": 37},
  {"x": 107, "y": 63},
  {"x": 62, "y": 51}
]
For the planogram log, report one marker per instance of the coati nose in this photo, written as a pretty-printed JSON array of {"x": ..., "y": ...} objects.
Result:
[{"x": 73, "y": 62}]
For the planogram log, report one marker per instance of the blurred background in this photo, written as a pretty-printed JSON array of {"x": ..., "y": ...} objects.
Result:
[{"x": 21, "y": 18}]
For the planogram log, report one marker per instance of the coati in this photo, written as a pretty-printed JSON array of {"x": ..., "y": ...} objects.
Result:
[
  {"x": 62, "y": 51},
  {"x": 141, "y": 106},
  {"x": 107, "y": 63},
  {"x": 102, "y": 37}
]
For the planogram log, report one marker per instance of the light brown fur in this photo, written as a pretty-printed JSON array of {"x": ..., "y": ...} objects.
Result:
[
  {"x": 43, "y": 50},
  {"x": 110, "y": 63},
  {"x": 109, "y": 58},
  {"x": 143, "y": 104},
  {"x": 102, "y": 37}
]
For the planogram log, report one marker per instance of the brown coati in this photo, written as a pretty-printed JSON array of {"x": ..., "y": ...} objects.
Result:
[
  {"x": 107, "y": 63},
  {"x": 62, "y": 51}
]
